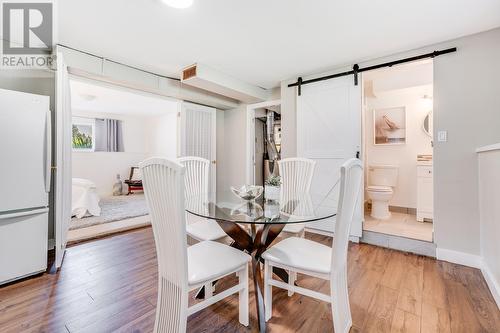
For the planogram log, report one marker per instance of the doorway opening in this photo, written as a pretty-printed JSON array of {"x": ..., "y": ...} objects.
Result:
[
  {"x": 398, "y": 151},
  {"x": 264, "y": 141},
  {"x": 113, "y": 130}
]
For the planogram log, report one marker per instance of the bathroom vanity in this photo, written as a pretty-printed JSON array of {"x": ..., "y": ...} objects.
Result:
[{"x": 425, "y": 197}]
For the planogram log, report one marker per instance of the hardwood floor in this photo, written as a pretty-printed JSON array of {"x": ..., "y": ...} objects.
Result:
[{"x": 110, "y": 285}]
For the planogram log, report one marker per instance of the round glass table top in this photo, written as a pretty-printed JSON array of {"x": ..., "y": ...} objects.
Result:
[{"x": 297, "y": 208}]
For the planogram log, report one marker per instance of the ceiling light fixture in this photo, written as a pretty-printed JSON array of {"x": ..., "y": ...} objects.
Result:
[{"x": 178, "y": 3}]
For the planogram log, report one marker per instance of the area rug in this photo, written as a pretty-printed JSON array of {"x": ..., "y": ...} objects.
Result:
[{"x": 114, "y": 209}]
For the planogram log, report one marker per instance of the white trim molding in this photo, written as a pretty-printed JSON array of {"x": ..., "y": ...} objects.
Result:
[
  {"x": 353, "y": 239},
  {"x": 484, "y": 149},
  {"x": 491, "y": 282},
  {"x": 460, "y": 258}
]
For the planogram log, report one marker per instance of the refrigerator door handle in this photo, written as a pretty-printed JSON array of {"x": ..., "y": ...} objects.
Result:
[
  {"x": 24, "y": 213},
  {"x": 48, "y": 151}
]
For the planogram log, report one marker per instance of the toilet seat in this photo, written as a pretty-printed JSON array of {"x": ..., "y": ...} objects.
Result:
[{"x": 378, "y": 188}]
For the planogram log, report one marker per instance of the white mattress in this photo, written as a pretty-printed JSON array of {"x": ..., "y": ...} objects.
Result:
[{"x": 85, "y": 200}]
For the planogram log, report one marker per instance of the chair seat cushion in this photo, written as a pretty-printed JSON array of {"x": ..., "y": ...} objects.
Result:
[
  {"x": 204, "y": 229},
  {"x": 209, "y": 260},
  {"x": 294, "y": 227},
  {"x": 301, "y": 253}
]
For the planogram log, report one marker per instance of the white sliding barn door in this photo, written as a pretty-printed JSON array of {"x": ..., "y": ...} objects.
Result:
[
  {"x": 329, "y": 132},
  {"x": 63, "y": 159},
  {"x": 198, "y": 135}
]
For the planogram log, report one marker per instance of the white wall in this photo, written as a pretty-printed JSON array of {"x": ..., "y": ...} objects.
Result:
[
  {"x": 143, "y": 137},
  {"x": 163, "y": 136},
  {"x": 466, "y": 104},
  {"x": 417, "y": 141},
  {"x": 235, "y": 157},
  {"x": 489, "y": 211},
  {"x": 288, "y": 120}
]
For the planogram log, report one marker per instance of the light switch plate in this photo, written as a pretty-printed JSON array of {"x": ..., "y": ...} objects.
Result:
[{"x": 442, "y": 136}]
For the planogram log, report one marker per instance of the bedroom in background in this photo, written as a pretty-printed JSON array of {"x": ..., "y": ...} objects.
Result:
[{"x": 113, "y": 129}]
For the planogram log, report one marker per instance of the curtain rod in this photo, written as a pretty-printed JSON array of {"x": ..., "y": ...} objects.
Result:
[{"x": 355, "y": 69}]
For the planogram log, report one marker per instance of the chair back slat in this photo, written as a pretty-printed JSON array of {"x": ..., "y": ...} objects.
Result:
[
  {"x": 163, "y": 182},
  {"x": 296, "y": 176},
  {"x": 197, "y": 175}
]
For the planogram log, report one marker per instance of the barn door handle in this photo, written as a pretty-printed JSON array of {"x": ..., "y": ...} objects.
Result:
[{"x": 357, "y": 154}]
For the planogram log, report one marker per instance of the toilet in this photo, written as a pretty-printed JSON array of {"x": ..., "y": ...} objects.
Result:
[{"x": 382, "y": 179}]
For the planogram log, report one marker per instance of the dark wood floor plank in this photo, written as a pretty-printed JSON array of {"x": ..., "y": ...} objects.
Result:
[{"x": 110, "y": 284}]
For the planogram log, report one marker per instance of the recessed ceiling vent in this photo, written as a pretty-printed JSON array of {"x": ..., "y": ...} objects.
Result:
[
  {"x": 206, "y": 78},
  {"x": 189, "y": 73}
]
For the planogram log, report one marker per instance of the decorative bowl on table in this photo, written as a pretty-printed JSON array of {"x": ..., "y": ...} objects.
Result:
[{"x": 248, "y": 192}]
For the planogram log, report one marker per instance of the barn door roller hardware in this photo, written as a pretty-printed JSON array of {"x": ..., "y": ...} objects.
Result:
[{"x": 356, "y": 69}]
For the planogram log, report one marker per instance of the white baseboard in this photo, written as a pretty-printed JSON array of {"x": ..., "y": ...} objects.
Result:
[
  {"x": 460, "y": 258},
  {"x": 320, "y": 232},
  {"x": 492, "y": 283},
  {"x": 354, "y": 239}
]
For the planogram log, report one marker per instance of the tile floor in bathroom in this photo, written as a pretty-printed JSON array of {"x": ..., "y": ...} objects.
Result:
[{"x": 400, "y": 224}]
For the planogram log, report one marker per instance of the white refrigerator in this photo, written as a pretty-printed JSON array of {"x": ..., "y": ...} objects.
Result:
[{"x": 25, "y": 168}]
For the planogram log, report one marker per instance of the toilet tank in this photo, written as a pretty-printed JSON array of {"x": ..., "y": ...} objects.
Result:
[{"x": 383, "y": 175}]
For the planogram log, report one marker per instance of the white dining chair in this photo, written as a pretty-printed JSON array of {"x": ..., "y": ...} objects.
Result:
[
  {"x": 296, "y": 178},
  {"x": 307, "y": 257},
  {"x": 182, "y": 268},
  {"x": 197, "y": 185}
]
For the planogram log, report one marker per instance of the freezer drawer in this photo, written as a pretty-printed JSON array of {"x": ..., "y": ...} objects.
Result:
[{"x": 23, "y": 244}]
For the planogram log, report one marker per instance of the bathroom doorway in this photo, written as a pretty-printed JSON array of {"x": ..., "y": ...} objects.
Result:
[{"x": 398, "y": 150}]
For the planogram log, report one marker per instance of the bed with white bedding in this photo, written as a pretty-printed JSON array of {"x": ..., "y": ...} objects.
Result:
[{"x": 85, "y": 200}]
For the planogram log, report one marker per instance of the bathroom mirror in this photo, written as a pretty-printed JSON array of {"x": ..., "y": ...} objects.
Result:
[{"x": 427, "y": 126}]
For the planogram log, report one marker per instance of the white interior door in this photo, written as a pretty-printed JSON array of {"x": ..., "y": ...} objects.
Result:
[
  {"x": 198, "y": 135},
  {"x": 63, "y": 159},
  {"x": 329, "y": 132}
]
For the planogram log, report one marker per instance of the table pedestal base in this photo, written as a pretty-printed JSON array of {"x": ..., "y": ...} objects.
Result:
[{"x": 255, "y": 243}]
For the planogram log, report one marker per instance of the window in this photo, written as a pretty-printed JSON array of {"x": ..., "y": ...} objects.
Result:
[{"x": 83, "y": 134}]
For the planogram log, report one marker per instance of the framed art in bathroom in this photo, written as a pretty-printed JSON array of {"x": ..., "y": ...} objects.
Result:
[{"x": 389, "y": 126}]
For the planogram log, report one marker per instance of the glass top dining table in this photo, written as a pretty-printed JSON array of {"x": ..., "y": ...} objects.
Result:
[
  {"x": 297, "y": 208},
  {"x": 254, "y": 225}
]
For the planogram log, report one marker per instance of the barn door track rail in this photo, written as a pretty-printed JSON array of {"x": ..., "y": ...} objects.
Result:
[{"x": 356, "y": 69}]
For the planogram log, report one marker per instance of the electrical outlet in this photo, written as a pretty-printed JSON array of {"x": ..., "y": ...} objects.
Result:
[{"x": 442, "y": 136}]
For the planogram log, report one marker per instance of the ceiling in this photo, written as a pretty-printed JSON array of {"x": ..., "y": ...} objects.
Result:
[
  {"x": 265, "y": 41},
  {"x": 90, "y": 97}
]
